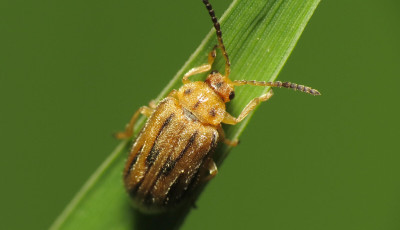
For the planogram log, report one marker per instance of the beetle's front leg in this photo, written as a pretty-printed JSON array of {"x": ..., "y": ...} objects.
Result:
[
  {"x": 202, "y": 68},
  {"x": 229, "y": 119}
]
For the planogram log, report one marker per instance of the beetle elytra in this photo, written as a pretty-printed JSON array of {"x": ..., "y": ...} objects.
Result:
[{"x": 173, "y": 153}]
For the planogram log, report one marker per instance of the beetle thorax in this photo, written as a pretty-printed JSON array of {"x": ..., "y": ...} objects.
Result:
[{"x": 201, "y": 100}]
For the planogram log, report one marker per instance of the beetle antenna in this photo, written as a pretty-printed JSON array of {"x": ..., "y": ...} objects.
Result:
[
  {"x": 279, "y": 84},
  {"x": 219, "y": 36}
]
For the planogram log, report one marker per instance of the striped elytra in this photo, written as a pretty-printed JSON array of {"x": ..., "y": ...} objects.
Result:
[
  {"x": 173, "y": 153},
  {"x": 168, "y": 157}
]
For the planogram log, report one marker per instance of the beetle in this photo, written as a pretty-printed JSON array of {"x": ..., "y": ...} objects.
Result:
[{"x": 173, "y": 154}]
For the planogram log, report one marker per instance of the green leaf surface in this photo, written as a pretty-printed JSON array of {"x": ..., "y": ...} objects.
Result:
[{"x": 259, "y": 36}]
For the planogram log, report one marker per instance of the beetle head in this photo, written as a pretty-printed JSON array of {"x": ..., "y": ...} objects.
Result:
[{"x": 221, "y": 85}]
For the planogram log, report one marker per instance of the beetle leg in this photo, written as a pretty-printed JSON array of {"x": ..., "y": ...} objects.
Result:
[
  {"x": 147, "y": 111},
  {"x": 153, "y": 104},
  {"x": 194, "y": 206},
  {"x": 221, "y": 133},
  {"x": 173, "y": 93},
  {"x": 229, "y": 119},
  {"x": 212, "y": 170},
  {"x": 202, "y": 68}
]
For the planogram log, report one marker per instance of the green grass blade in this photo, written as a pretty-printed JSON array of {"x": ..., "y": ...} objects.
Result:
[{"x": 259, "y": 36}]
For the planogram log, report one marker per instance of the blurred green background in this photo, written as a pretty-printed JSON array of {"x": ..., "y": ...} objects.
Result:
[{"x": 72, "y": 73}]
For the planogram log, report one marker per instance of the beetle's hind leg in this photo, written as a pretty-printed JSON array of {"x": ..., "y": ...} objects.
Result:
[
  {"x": 211, "y": 170},
  {"x": 207, "y": 172},
  {"x": 226, "y": 141},
  {"x": 202, "y": 68},
  {"x": 145, "y": 110}
]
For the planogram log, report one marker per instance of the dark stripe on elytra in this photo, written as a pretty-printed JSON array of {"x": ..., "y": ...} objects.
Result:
[
  {"x": 169, "y": 161},
  {"x": 195, "y": 179},
  {"x": 133, "y": 162},
  {"x": 132, "y": 192},
  {"x": 166, "y": 122},
  {"x": 134, "y": 189},
  {"x": 173, "y": 194},
  {"x": 172, "y": 191},
  {"x": 213, "y": 144},
  {"x": 176, "y": 195},
  {"x": 154, "y": 152},
  {"x": 189, "y": 188},
  {"x": 196, "y": 105},
  {"x": 148, "y": 199},
  {"x": 149, "y": 163},
  {"x": 150, "y": 158},
  {"x": 170, "y": 164}
]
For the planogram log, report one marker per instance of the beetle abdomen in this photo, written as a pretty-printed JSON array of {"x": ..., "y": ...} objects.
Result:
[{"x": 167, "y": 158}]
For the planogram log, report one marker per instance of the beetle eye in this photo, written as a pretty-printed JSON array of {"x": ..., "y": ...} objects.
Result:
[{"x": 231, "y": 95}]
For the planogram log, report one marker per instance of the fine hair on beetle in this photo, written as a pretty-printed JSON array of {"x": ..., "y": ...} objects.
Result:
[{"x": 173, "y": 154}]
